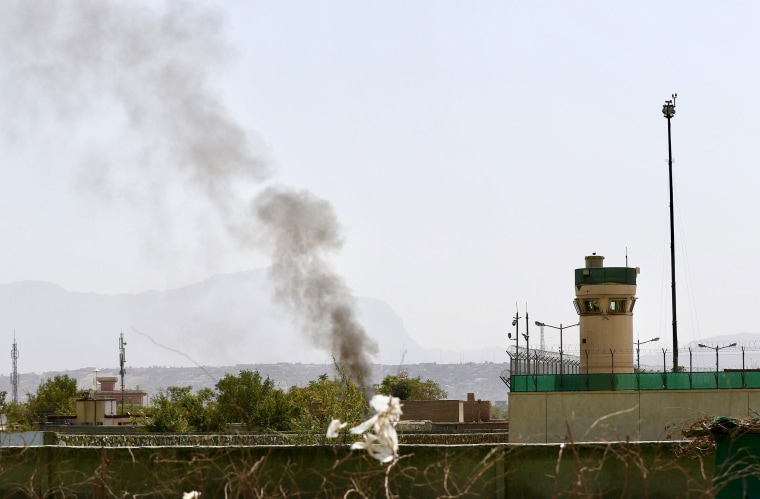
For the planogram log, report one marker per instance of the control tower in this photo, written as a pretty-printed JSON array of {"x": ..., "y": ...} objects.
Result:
[{"x": 604, "y": 300}]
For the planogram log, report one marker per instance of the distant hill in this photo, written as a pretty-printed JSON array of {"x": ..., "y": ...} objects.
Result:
[{"x": 226, "y": 320}]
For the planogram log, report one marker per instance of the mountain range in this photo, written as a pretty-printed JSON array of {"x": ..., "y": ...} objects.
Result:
[{"x": 228, "y": 319}]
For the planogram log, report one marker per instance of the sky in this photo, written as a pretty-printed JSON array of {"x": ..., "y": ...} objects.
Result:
[{"x": 472, "y": 152}]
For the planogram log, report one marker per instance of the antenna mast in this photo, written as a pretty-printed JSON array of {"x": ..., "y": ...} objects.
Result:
[
  {"x": 14, "y": 372},
  {"x": 122, "y": 371}
]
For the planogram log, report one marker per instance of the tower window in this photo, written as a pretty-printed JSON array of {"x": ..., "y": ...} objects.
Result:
[
  {"x": 618, "y": 306},
  {"x": 591, "y": 305}
]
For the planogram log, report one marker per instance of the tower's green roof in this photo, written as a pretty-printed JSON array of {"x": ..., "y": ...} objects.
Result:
[{"x": 602, "y": 275}]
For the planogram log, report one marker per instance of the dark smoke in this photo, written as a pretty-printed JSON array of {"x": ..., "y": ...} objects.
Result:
[
  {"x": 300, "y": 229},
  {"x": 154, "y": 66},
  {"x": 68, "y": 57}
]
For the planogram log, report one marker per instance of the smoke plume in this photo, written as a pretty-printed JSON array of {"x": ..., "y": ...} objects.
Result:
[
  {"x": 69, "y": 58},
  {"x": 300, "y": 229}
]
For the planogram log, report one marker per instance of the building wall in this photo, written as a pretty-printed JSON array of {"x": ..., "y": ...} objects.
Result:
[
  {"x": 94, "y": 411},
  {"x": 476, "y": 410},
  {"x": 108, "y": 389},
  {"x": 136, "y": 397},
  {"x": 449, "y": 411},
  {"x": 614, "y": 416}
]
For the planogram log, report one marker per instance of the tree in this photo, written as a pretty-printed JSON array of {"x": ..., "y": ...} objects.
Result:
[
  {"x": 178, "y": 410},
  {"x": 322, "y": 400},
  {"x": 19, "y": 417},
  {"x": 55, "y": 396},
  {"x": 405, "y": 388},
  {"x": 203, "y": 411},
  {"x": 165, "y": 414},
  {"x": 253, "y": 401}
]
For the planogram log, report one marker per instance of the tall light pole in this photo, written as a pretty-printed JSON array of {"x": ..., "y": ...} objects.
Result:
[
  {"x": 561, "y": 352},
  {"x": 516, "y": 324},
  {"x": 527, "y": 338},
  {"x": 638, "y": 348},
  {"x": 716, "y": 348},
  {"x": 669, "y": 110}
]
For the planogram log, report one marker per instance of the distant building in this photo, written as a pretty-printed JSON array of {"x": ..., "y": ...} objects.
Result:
[
  {"x": 452, "y": 415},
  {"x": 93, "y": 411},
  {"x": 476, "y": 411},
  {"x": 103, "y": 407},
  {"x": 109, "y": 390},
  {"x": 437, "y": 411}
]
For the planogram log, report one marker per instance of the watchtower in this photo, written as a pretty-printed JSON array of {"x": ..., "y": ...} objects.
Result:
[{"x": 604, "y": 300}]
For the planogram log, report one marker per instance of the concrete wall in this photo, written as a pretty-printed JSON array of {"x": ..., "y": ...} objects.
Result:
[
  {"x": 615, "y": 416},
  {"x": 496, "y": 471}
]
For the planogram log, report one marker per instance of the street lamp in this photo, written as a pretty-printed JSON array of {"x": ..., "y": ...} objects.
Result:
[
  {"x": 716, "y": 348},
  {"x": 561, "y": 327},
  {"x": 516, "y": 324},
  {"x": 669, "y": 110},
  {"x": 638, "y": 345},
  {"x": 527, "y": 339}
]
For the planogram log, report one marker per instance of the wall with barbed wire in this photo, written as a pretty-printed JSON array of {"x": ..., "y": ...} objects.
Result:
[{"x": 719, "y": 359}]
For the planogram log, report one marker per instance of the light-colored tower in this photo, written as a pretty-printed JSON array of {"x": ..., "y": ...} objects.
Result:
[{"x": 605, "y": 297}]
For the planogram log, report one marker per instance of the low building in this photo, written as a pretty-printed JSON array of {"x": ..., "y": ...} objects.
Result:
[
  {"x": 93, "y": 411},
  {"x": 448, "y": 411}
]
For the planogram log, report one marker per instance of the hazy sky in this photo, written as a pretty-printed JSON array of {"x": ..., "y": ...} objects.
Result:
[{"x": 474, "y": 152}]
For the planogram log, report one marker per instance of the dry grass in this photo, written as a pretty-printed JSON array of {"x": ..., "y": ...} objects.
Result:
[{"x": 614, "y": 469}]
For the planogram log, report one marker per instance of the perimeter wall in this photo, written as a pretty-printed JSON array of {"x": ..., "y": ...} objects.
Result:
[
  {"x": 653, "y": 469},
  {"x": 603, "y": 416}
]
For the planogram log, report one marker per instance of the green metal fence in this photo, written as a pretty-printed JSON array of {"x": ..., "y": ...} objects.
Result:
[{"x": 634, "y": 381}]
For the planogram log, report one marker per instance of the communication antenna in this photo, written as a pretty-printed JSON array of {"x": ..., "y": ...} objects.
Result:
[
  {"x": 14, "y": 373},
  {"x": 122, "y": 371}
]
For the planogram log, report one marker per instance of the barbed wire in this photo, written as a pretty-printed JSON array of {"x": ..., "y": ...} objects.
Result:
[
  {"x": 577, "y": 349},
  {"x": 695, "y": 359}
]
